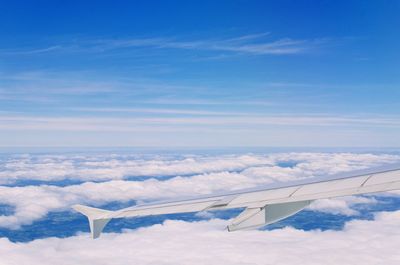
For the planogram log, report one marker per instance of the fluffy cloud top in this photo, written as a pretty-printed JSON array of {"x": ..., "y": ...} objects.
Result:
[
  {"x": 117, "y": 166},
  {"x": 110, "y": 178},
  {"x": 34, "y": 202},
  {"x": 178, "y": 242}
]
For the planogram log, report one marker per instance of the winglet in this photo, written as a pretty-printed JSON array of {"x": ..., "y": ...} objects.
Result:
[{"x": 97, "y": 218}]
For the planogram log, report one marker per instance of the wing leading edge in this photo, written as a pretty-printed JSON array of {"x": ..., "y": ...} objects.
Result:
[{"x": 262, "y": 207}]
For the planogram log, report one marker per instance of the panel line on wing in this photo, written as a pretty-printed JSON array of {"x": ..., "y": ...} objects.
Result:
[
  {"x": 365, "y": 181},
  {"x": 295, "y": 191}
]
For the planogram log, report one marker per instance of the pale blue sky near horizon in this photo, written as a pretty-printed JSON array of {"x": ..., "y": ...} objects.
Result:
[{"x": 200, "y": 74}]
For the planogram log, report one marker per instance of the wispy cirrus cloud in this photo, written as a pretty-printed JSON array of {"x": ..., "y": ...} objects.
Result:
[
  {"x": 41, "y": 86},
  {"x": 210, "y": 121},
  {"x": 160, "y": 111},
  {"x": 244, "y": 44},
  {"x": 254, "y": 44},
  {"x": 27, "y": 51}
]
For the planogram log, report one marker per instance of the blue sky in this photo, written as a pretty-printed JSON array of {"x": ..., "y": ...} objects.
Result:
[{"x": 209, "y": 73}]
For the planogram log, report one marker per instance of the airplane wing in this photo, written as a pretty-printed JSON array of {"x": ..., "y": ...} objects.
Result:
[{"x": 262, "y": 206}]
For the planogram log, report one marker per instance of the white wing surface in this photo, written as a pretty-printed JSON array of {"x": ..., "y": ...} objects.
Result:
[{"x": 262, "y": 206}]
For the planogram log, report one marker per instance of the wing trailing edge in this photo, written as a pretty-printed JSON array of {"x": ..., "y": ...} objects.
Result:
[{"x": 252, "y": 218}]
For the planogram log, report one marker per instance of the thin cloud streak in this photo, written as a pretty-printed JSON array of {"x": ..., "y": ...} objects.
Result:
[
  {"x": 186, "y": 123},
  {"x": 32, "y": 51},
  {"x": 162, "y": 111},
  {"x": 78, "y": 83},
  {"x": 254, "y": 44}
]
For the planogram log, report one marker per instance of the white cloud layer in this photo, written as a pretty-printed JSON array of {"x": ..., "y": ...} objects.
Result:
[
  {"x": 112, "y": 167},
  {"x": 178, "y": 242},
  {"x": 340, "y": 205},
  {"x": 34, "y": 202}
]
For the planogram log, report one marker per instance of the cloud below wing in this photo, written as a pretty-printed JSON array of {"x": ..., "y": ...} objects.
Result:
[{"x": 361, "y": 242}]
